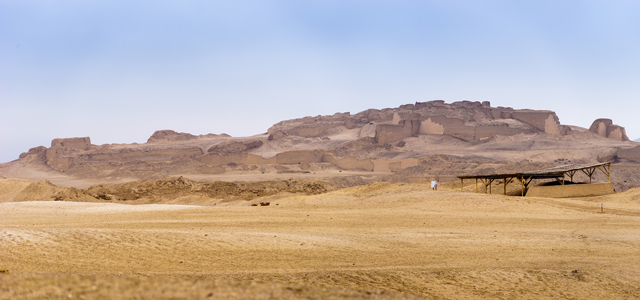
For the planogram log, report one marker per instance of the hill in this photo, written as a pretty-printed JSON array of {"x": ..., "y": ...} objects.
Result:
[
  {"x": 174, "y": 190},
  {"x": 414, "y": 142}
]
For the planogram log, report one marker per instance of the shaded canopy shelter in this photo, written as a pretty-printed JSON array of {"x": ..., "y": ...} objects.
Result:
[{"x": 525, "y": 178}]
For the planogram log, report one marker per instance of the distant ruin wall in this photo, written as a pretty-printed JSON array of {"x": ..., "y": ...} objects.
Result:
[
  {"x": 571, "y": 190},
  {"x": 442, "y": 125},
  {"x": 632, "y": 154},
  {"x": 482, "y": 132},
  {"x": 497, "y": 113},
  {"x": 78, "y": 143},
  {"x": 386, "y": 165},
  {"x": 308, "y": 131},
  {"x": 429, "y": 127},
  {"x": 349, "y": 162},
  {"x": 63, "y": 159},
  {"x": 545, "y": 121},
  {"x": 214, "y": 159},
  {"x": 395, "y": 166},
  {"x": 147, "y": 154},
  {"x": 58, "y": 158},
  {"x": 55, "y": 159},
  {"x": 388, "y": 133},
  {"x": 299, "y": 157},
  {"x": 381, "y": 165},
  {"x": 211, "y": 169},
  {"x": 450, "y": 126},
  {"x": 606, "y": 128}
]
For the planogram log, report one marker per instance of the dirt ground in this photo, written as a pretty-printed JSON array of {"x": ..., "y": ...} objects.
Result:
[{"x": 377, "y": 241}]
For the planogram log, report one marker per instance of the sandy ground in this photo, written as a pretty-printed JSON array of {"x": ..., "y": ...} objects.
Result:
[{"x": 379, "y": 241}]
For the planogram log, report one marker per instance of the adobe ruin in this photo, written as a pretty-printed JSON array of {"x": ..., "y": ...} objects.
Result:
[
  {"x": 467, "y": 120},
  {"x": 606, "y": 128}
]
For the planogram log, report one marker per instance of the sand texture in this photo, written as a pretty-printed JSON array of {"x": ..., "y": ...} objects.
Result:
[{"x": 376, "y": 241}]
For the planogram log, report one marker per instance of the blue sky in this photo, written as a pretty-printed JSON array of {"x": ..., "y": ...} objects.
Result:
[{"x": 119, "y": 70}]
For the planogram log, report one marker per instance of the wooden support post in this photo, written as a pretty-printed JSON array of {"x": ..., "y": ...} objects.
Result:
[
  {"x": 505, "y": 185},
  {"x": 589, "y": 172},
  {"x": 476, "y": 185},
  {"x": 525, "y": 183},
  {"x": 606, "y": 169},
  {"x": 571, "y": 173}
]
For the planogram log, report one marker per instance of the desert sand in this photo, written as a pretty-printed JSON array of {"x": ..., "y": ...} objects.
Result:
[
  {"x": 325, "y": 207},
  {"x": 375, "y": 241}
]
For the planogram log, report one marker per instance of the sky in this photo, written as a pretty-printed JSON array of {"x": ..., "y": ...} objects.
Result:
[{"x": 117, "y": 71}]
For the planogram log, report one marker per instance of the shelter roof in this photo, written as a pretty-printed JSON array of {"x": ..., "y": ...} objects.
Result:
[{"x": 558, "y": 171}]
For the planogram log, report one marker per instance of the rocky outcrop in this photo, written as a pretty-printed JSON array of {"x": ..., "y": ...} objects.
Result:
[
  {"x": 172, "y": 136},
  {"x": 235, "y": 146},
  {"x": 606, "y": 128},
  {"x": 36, "y": 152},
  {"x": 276, "y": 135}
]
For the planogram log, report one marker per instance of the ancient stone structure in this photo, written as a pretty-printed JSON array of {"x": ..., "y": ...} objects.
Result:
[
  {"x": 372, "y": 140},
  {"x": 466, "y": 120},
  {"x": 606, "y": 128},
  {"x": 60, "y": 155},
  {"x": 79, "y": 143}
]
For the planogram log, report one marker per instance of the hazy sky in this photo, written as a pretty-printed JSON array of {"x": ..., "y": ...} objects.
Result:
[{"x": 119, "y": 70}]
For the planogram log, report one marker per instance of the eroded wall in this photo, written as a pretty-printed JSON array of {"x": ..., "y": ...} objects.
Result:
[
  {"x": 77, "y": 143},
  {"x": 605, "y": 128},
  {"x": 571, "y": 190}
]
